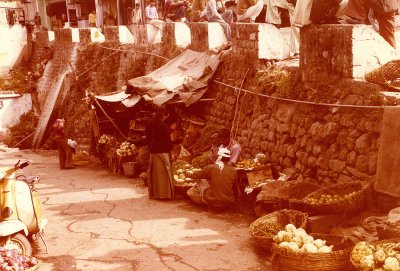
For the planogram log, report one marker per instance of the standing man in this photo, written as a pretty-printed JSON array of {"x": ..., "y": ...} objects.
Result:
[
  {"x": 151, "y": 11},
  {"x": 160, "y": 183},
  {"x": 136, "y": 17},
  {"x": 38, "y": 21},
  {"x": 92, "y": 19},
  {"x": 384, "y": 11},
  {"x": 64, "y": 150}
]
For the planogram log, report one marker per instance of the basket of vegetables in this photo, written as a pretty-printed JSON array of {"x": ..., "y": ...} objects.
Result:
[
  {"x": 11, "y": 260},
  {"x": 380, "y": 255},
  {"x": 295, "y": 250},
  {"x": 338, "y": 198},
  {"x": 265, "y": 228}
]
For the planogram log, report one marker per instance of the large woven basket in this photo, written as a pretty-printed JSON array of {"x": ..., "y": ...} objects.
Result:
[
  {"x": 34, "y": 268},
  {"x": 387, "y": 75},
  {"x": 337, "y": 260},
  {"x": 194, "y": 194},
  {"x": 354, "y": 203},
  {"x": 266, "y": 227}
]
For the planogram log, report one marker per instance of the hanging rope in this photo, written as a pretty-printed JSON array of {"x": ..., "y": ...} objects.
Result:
[
  {"x": 237, "y": 108},
  {"x": 307, "y": 102},
  {"x": 133, "y": 51},
  {"x": 24, "y": 139},
  {"x": 115, "y": 125}
]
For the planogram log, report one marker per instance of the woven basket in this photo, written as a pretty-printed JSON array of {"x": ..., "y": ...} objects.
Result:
[
  {"x": 356, "y": 267},
  {"x": 387, "y": 232},
  {"x": 264, "y": 207},
  {"x": 351, "y": 204},
  {"x": 34, "y": 268},
  {"x": 387, "y": 75},
  {"x": 266, "y": 227},
  {"x": 337, "y": 260},
  {"x": 194, "y": 194}
]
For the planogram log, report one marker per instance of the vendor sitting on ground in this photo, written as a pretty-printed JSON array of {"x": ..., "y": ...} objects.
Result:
[
  {"x": 223, "y": 140},
  {"x": 217, "y": 181}
]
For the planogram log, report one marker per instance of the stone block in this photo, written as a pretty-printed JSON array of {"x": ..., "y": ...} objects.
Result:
[
  {"x": 125, "y": 36},
  {"x": 153, "y": 34},
  {"x": 182, "y": 35},
  {"x": 63, "y": 35},
  {"x": 216, "y": 36},
  {"x": 75, "y": 34},
  {"x": 344, "y": 51},
  {"x": 96, "y": 35},
  {"x": 271, "y": 43},
  {"x": 111, "y": 33},
  {"x": 52, "y": 36}
]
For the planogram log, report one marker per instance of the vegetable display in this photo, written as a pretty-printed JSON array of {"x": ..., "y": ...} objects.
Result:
[
  {"x": 182, "y": 173},
  {"x": 105, "y": 139},
  {"x": 248, "y": 164},
  {"x": 380, "y": 257},
  {"x": 328, "y": 198},
  {"x": 126, "y": 149},
  {"x": 11, "y": 260},
  {"x": 297, "y": 240}
]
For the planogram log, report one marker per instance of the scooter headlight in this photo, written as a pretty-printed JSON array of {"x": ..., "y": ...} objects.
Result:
[{"x": 6, "y": 212}]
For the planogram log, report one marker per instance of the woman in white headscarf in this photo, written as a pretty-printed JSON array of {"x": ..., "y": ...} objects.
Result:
[{"x": 218, "y": 181}]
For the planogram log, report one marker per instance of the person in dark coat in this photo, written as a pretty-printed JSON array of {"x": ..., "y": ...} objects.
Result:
[
  {"x": 64, "y": 150},
  {"x": 160, "y": 181}
]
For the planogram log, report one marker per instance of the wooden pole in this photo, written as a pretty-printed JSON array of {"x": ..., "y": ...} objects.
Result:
[{"x": 115, "y": 125}]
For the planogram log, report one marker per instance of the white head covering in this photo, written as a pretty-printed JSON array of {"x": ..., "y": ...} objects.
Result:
[{"x": 222, "y": 152}]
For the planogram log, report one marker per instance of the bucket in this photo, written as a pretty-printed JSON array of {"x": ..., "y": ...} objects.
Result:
[{"x": 130, "y": 169}]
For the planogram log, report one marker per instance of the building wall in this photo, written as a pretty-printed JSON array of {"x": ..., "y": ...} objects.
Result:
[{"x": 12, "y": 109}]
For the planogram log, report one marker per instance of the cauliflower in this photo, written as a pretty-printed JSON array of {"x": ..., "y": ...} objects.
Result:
[
  {"x": 391, "y": 264},
  {"x": 290, "y": 228},
  {"x": 308, "y": 239},
  {"x": 279, "y": 237},
  {"x": 359, "y": 251},
  {"x": 301, "y": 233},
  {"x": 367, "y": 262},
  {"x": 325, "y": 249},
  {"x": 319, "y": 243},
  {"x": 288, "y": 236},
  {"x": 284, "y": 245},
  {"x": 293, "y": 246},
  {"x": 298, "y": 241},
  {"x": 310, "y": 248},
  {"x": 380, "y": 255}
]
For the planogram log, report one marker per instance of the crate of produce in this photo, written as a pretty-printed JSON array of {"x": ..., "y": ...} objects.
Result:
[
  {"x": 11, "y": 259},
  {"x": 378, "y": 255},
  {"x": 339, "y": 198},
  {"x": 295, "y": 250},
  {"x": 265, "y": 228}
]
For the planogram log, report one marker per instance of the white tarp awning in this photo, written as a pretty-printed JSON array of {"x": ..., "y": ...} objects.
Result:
[
  {"x": 127, "y": 99},
  {"x": 186, "y": 76}
]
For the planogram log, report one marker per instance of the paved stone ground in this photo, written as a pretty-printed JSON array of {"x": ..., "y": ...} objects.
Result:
[{"x": 101, "y": 221}]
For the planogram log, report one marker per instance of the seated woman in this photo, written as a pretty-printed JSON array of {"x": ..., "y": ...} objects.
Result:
[{"x": 217, "y": 182}]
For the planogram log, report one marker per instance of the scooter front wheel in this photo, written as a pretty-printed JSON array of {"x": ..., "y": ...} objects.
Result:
[{"x": 18, "y": 242}]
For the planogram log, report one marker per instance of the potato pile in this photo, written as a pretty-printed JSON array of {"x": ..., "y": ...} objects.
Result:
[
  {"x": 297, "y": 240},
  {"x": 182, "y": 173},
  {"x": 11, "y": 260},
  {"x": 327, "y": 198},
  {"x": 381, "y": 257},
  {"x": 126, "y": 149},
  {"x": 248, "y": 164}
]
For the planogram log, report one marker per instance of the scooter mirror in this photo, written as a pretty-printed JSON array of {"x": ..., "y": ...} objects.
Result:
[{"x": 24, "y": 164}]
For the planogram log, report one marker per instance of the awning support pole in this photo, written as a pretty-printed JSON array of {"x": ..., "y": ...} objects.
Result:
[{"x": 115, "y": 125}]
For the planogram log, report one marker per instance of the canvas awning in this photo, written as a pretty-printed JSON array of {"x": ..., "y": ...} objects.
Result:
[{"x": 185, "y": 77}]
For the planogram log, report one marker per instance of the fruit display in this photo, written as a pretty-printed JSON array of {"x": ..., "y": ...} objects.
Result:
[
  {"x": 126, "y": 149},
  {"x": 248, "y": 164},
  {"x": 297, "y": 240},
  {"x": 182, "y": 172},
  {"x": 11, "y": 260},
  {"x": 328, "y": 198},
  {"x": 380, "y": 257},
  {"x": 105, "y": 139}
]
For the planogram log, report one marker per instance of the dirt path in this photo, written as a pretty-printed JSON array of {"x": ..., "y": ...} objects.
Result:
[{"x": 101, "y": 221}]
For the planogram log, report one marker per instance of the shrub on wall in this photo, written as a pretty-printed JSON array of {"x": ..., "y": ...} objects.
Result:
[{"x": 26, "y": 126}]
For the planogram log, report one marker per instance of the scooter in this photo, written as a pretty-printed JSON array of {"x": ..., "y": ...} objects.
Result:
[{"x": 21, "y": 210}]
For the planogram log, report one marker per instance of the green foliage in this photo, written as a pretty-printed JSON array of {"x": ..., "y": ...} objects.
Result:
[
  {"x": 14, "y": 80},
  {"x": 26, "y": 126}
]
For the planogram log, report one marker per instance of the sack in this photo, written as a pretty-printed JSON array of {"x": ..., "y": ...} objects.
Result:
[{"x": 324, "y": 10}]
